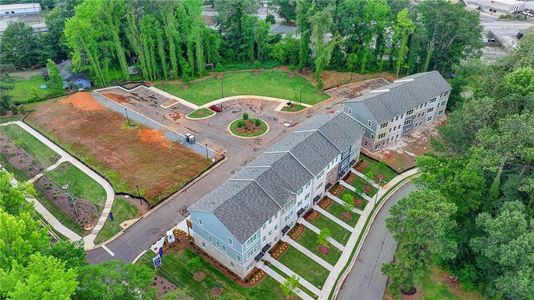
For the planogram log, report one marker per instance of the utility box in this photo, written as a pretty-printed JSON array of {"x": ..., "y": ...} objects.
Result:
[{"x": 192, "y": 139}]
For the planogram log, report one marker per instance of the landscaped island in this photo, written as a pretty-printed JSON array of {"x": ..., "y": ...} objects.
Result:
[
  {"x": 247, "y": 128},
  {"x": 269, "y": 83}
]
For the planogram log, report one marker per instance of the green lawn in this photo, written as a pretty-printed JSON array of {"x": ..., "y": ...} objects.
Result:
[
  {"x": 18, "y": 174},
  {"x": 39, "y": 151},
  {"x": 378, "y": 168},
  {"x": 301, "y": 287},
  {"x": 270, "y": 83},
  {"x": 262, "y": 128},
  {"x": 309, "y": 240},
  {"x": 305, "y": 267},
  {"x": 80, "y": 184},
  {"x": 353, "y": 194},
  {"x": 359, "y": 183},
  {"x": 201, "y": 113},
  {"x": 122, "y": 210},
  {"x": 433, "y": 287},
  {"x": 176, "y": 271},
  {"x": 26, "y": 90},
  {"x": 337, "y": 210},
  {"x": 340, "y": 234}
]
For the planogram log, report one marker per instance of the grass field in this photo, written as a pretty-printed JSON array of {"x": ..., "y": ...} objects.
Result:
[
  {"x": 127, "y": 157},
  {"x": 304, "y": 266},
  {"x": 359, "y": 184},
  {"x": 80, "y": 184},
  {"x": 25, "y": 90},
  {"x": 338, "y": 233},
  {"x": 270, "y": 83},
  {"x": 308, "y": 239},
  {"x": 39, "y": 151},
  {"x": 375, "y": 169},
  {"x": 176, "y": 271},
  {"x": 301, "y": 287},
  {"x": 122, "y": 210},
  {"x": 201, "y": 113},
  {"x": 337, "y": 210}
]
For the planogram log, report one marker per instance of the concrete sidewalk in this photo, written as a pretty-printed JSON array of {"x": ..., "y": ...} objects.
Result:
[
  {"x": 312, "y": 288},
  {"x": 307, "y": 252},
  {"x": 281, "y": 280}
]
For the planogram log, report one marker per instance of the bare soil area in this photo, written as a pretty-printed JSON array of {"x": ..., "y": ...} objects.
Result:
[{"x": 127, "y": 156}]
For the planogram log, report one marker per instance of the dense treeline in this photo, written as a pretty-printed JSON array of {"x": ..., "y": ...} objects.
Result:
[
  {"x": 32, "y": 266},
  {"x": 483, "y": 171},
  {"x": 169, "y": 39}
]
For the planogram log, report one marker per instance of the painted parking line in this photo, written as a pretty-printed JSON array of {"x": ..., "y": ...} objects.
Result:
[{"x": 107, "y": 250}]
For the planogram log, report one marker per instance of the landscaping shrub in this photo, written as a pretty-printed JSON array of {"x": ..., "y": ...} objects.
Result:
[
  {"x": 240, "y": 124},
  {"x": 270, "y": 19},
  {"x": 257, "y": 122},
  {"x": 245, "y": 116}
]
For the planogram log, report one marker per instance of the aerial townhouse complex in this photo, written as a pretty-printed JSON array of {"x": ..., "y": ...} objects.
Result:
[
  {"x": 394, "y": 110},
  {"x": 238, "y": 222}
]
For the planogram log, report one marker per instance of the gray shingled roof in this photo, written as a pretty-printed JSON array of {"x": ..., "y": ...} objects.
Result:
[
  {"x": 257, "y": 192},
  {"x": 402, "y": 95}
]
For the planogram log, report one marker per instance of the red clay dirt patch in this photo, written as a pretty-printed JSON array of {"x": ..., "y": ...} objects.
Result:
[
  {"x": 82, "y": 101},
  {"x": 324, "y": 250},
  {"x": 116, "y": 97},
  {"x": 99, "y": 138},
  {"x": 153, "y": 136}
]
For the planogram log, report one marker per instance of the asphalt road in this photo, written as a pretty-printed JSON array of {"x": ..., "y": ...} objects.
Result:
[{"x": 365, "y": 280}]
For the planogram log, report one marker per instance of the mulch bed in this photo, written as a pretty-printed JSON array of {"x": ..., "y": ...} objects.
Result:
[
  {"x": 361, "y": 166},
  {"x": 350, "y": 178},
  {"x": 162, "y": 285},
  {"x": 337, "y": 189},
  {"x": 368, "y": 188},
  {"x": 199, "y": 276},
  {"x": 80, "y": 211},
  {"x": 279, "y": 249},
  {"x": 324, "y": 250},
  {"x": 249, "y": 127},
  {"x": 296, "y": 232},
  {"x": 311, "y": 216},
  {"x": 325, "y": 203},
  {"x": 358, "y": 202},
  {"x": 19, "y": 158}
]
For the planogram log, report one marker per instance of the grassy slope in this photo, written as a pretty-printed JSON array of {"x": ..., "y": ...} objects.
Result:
[
  {"x": 375, "y": 167},
  {"x": 80, "y": 184},
  {"x": 25, "y": 90},
  {"x": 176, "y": 271},
  {"x": 122, "y": 210},
  {"x": 276, "y": 84},
  {"x": 44, "y": 155}
]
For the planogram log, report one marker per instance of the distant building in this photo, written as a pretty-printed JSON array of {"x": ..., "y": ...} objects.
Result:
[
  {"x": 70, "y": 80},
  {"x": 394, "y": 110},
  {"x": 21, "y": 9},
  {"x": 497, "y": 6},
  {"x": 27, "y": 13}
]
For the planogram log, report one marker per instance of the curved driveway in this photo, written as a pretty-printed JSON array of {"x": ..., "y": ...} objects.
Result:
[{"x": 365, "y": 280}]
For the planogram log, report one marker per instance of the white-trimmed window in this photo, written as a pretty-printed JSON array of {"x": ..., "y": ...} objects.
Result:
[
  {"x": 369, "y": 123},
  {"x": 239, "y": 258},
  {"x": 204, "y": 245},
  {"x": 349, "y": 111},
  {"x": 209, "y": 238},
  {"x": 440, "y": 112},
  {"x": 432, "y": 100},
  {"x": 200, "y": 221},
  {"x": 372, "y": 137},
  {"x": 409, "y": 112},
  {"x": 217, "y": 244},
  {"x": 381, "y": 135},
  {"x": 409, "y": 121},
  {"x": 430, "y": 109},
  {"x": 429, "y": 118},
  {"x": 383, "y": 125},
  {"x": 230, "y": 242}
]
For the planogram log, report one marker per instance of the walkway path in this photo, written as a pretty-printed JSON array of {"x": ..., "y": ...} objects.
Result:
[
  {"x": 312, "y": 288},
  {"x": 52, "y": 167},
  {"x": 66, "y": 157},
  {"x": 332, "y": 217},
  {"x": 339, "y": 201},
  {"x": 49, "y": 218},
  {"x": 316, "y": 230},
  {"x": 362, "y": 176},
  {"x": 281, "y": 279},
  {"x": 307, "y": 252}
]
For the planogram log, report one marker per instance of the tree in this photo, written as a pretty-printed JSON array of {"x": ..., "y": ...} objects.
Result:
[
  {"x": 13, "y": 198},
  {"x": 520, "y": 81},
  {"x": 322, "y": 237},
  {"x": 73, "y": 254},
  {"x": 419, "y": 223},
  {"x": 402, "y": 29},
  {"x": 348, "y": 202},
  {"x": 290, "y": 285},
  {"x": 19, "y": 46},
  {"x": 502, "y": 247},
  {"x": 115, "y": 280},
  {"x": 235, "y": 18},
  {"x": 55, "y": 82},
  {"x": 321, "y": 51},
  {"x": 42, "y": 277},
  {"x": 287, "y": 9}
]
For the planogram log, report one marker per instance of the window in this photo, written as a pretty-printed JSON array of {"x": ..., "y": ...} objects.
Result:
[
  {"x": 230, "y": 242},
  {"x": 209, "y": 238},
  {"x": 200, "y": 221},
  {"x": 270, "y": 232},
  {"x": 365, "y": 143},
  {"x": 251, "y": 240},
  {"x": 224, "y": 248},
  {"x": 396, "y": 118},
  {"x": 426, "y": 104},
  {"x": 391, "y": 139},
  {"x": 430, "y": 109},
  {"x": 372, "y": 137},
  {"x": 232, "y": 264},
  {"x": 390, "y": 130},
  {"x": 409, "y": 121},
  {"x": 203, "y": 244},
  {"x": 383, "y": 125},
  {"x": 429, "y": 118},
  {"x": 264, "y": 237},
  {"x": 381, "y": 135},
  {"x": 440, "y": 112},
  {"x": 270, "y": 220},
  {"x": 349, "y": 110},
  {"x": 264, "y": 225},
  {"x": 217, "y": 243},
  {"x": 275, "y": 227},
  {"x": 307, "y": 196},
  {"x": 395, "y": 127},
  {"x": 376, "y": 147},
  {"x": 432, "y": 100},
  {"x": 409, "y": 112},
  {"x": 239, "y": 258},
  {"x": 369, "y": 123},
  {"x": 406, "y": 131}
]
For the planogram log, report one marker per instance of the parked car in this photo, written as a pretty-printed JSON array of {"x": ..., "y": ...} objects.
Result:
[{"x": 216, "y": 107}]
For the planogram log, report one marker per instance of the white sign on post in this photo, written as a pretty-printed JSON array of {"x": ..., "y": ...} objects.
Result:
[{"x": 170, "y": 237}]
